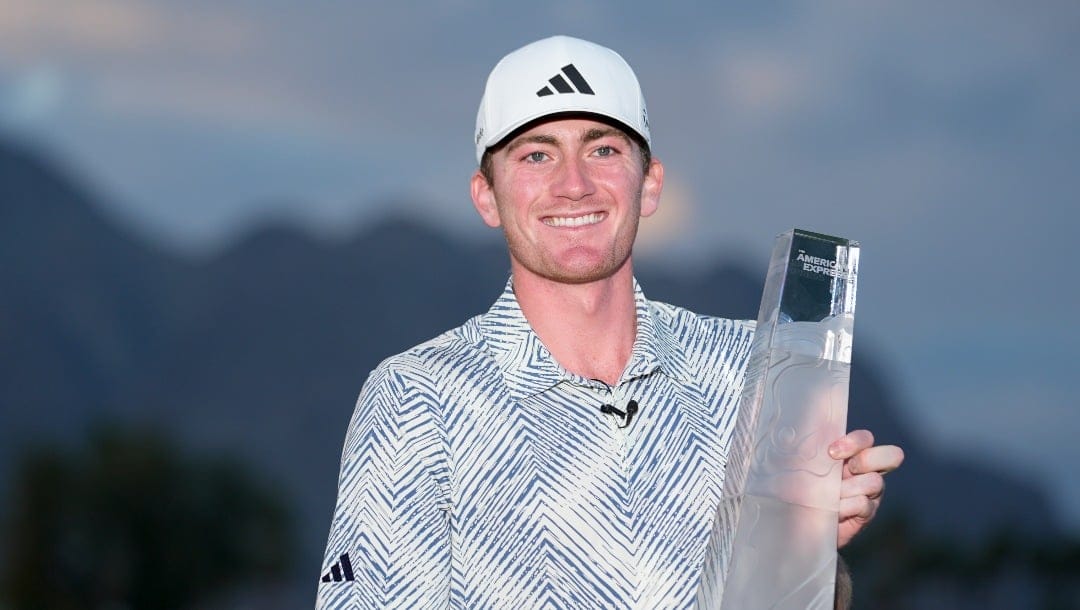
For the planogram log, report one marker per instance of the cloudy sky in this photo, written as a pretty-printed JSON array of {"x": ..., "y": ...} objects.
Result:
[{"x": 944, "y": 137}]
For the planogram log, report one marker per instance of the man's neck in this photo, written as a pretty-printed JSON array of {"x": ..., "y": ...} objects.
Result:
[{"x": 588, "y": 328}]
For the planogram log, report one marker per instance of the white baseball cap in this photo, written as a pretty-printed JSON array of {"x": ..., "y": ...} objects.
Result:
[{"x": 558, "y": 74}]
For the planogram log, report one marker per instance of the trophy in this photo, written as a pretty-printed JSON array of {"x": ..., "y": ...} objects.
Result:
[{"x": 773, "y": 543}]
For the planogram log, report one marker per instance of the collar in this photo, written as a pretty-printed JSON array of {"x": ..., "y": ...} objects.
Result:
[{"x": 529, "y": 369}]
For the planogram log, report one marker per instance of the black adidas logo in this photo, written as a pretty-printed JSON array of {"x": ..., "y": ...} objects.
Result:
[
  {"x": 562, "y": 86},
  {"x": 342, "y": 570}
]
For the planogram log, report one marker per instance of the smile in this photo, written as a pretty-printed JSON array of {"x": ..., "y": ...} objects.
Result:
[{"x": 574, "y": 221}]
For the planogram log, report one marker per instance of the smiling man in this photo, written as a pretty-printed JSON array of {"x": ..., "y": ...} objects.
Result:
[{"x": 566, "y": 448}]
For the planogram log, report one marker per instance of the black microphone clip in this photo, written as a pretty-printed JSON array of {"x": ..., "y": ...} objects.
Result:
[{"x": 627, "y": 415}]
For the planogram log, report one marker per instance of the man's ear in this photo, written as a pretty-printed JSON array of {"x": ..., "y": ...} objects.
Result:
[
  {"x": 651, "y": 187},
  {"x": 483, "y": 198}
]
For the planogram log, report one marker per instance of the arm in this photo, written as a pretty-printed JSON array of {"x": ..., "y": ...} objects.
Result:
[
  {"x": 390, "y": 531},
  {"x": 863, "y": 480}
]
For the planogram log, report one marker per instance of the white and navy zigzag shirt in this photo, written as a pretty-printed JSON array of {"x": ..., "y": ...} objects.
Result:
[{"x": 477, "y": 473}]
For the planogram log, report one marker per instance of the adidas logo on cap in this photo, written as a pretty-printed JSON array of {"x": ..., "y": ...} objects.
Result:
[{"x": 562, "y": 86}]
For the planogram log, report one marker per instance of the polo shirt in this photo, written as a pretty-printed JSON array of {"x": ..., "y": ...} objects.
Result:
[{"x": 478, "y": 473}]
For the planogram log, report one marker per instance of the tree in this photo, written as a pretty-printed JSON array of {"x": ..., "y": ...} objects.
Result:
[{"x": 128, "y": 521}]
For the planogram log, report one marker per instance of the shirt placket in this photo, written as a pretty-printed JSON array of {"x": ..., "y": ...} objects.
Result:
[{"x": 618, "y": 438}]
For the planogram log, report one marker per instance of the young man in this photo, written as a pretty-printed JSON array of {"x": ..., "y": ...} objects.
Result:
[{"x": 565, "y": 449}]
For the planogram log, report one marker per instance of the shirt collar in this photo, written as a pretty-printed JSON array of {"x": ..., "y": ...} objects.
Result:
[{"x": 528, "y": 367}]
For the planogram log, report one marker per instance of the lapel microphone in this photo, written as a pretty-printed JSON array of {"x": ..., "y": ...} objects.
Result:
[{"x": 627, "y": 415}]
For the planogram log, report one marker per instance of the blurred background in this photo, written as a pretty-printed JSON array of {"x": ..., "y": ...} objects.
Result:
[{"x": 217, "y": 217}]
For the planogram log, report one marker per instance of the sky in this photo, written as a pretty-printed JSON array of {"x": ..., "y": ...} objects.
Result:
[{"x": 945, "y": 137}]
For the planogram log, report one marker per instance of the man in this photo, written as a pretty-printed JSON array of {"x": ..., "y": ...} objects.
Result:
[{"x": 566, "y": 449}]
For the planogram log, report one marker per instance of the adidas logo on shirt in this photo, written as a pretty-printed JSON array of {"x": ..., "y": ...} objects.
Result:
[
  {"x": 561, "y": 86},
  {"x": 340, "y": 571}
]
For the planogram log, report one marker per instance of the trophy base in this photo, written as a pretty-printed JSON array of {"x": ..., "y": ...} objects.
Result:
[{"x": 805, "y": 536}]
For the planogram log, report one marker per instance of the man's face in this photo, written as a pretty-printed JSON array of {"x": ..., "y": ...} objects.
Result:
[{"x": 568, "y": 194}]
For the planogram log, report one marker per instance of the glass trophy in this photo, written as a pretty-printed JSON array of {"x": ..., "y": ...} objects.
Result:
[{"x": 773, "y": 543}]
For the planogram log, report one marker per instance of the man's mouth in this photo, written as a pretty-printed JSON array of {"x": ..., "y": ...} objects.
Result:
[{"x": 574, "y": 221}]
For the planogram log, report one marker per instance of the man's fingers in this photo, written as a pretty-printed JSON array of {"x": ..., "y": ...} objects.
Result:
[
  {"x": 871, "y": 485},
  {"x": 884, "y": 458},
  {"x": 858, "y": 507},
  {"x": 850, "y": 444}
]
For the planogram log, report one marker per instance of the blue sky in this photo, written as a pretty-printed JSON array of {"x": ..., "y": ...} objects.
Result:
[{"x": 944, "y": 137}]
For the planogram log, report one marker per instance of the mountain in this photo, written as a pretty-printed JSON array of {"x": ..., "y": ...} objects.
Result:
[
  {"x": 261, "y": 350},
  {"x": 81, "y": 302}
]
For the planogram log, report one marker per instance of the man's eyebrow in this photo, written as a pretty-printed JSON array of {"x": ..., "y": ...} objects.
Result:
[
  {"x": 538, "y": 138},
  {"x": 604, "y": 132}
]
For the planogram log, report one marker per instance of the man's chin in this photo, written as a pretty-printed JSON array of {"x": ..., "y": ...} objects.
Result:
[{"x": 584, "y": 272}]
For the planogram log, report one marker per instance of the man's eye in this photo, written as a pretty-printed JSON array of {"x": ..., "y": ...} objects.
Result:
[
  {"x": 535, "y": 157},
  {"x": 605, "y": 151}
]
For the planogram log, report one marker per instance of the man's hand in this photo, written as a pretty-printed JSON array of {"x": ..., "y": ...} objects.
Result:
[{"x": 863, "y": 481}]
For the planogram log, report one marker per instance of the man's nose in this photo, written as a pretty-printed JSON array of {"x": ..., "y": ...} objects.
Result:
[{"x": 573, "y": 181}]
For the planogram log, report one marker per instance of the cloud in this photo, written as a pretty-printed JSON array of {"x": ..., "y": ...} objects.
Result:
[
  {"x": 759, "y": 86},
  {"x": 83, "y": 32},
  {"x": 32, "y": 96},
  {"x": 123, "y": 56},
  {"x": 36, "y": 27}
]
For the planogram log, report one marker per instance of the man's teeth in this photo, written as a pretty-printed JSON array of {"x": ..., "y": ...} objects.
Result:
[{"x": 576, "y": 221}]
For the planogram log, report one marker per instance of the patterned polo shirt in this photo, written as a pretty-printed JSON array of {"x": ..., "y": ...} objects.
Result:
[{"x": 478, "y": 473}]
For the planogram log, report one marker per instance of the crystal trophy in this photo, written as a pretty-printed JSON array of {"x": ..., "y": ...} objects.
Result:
[{"x": 773, "y": 543}]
